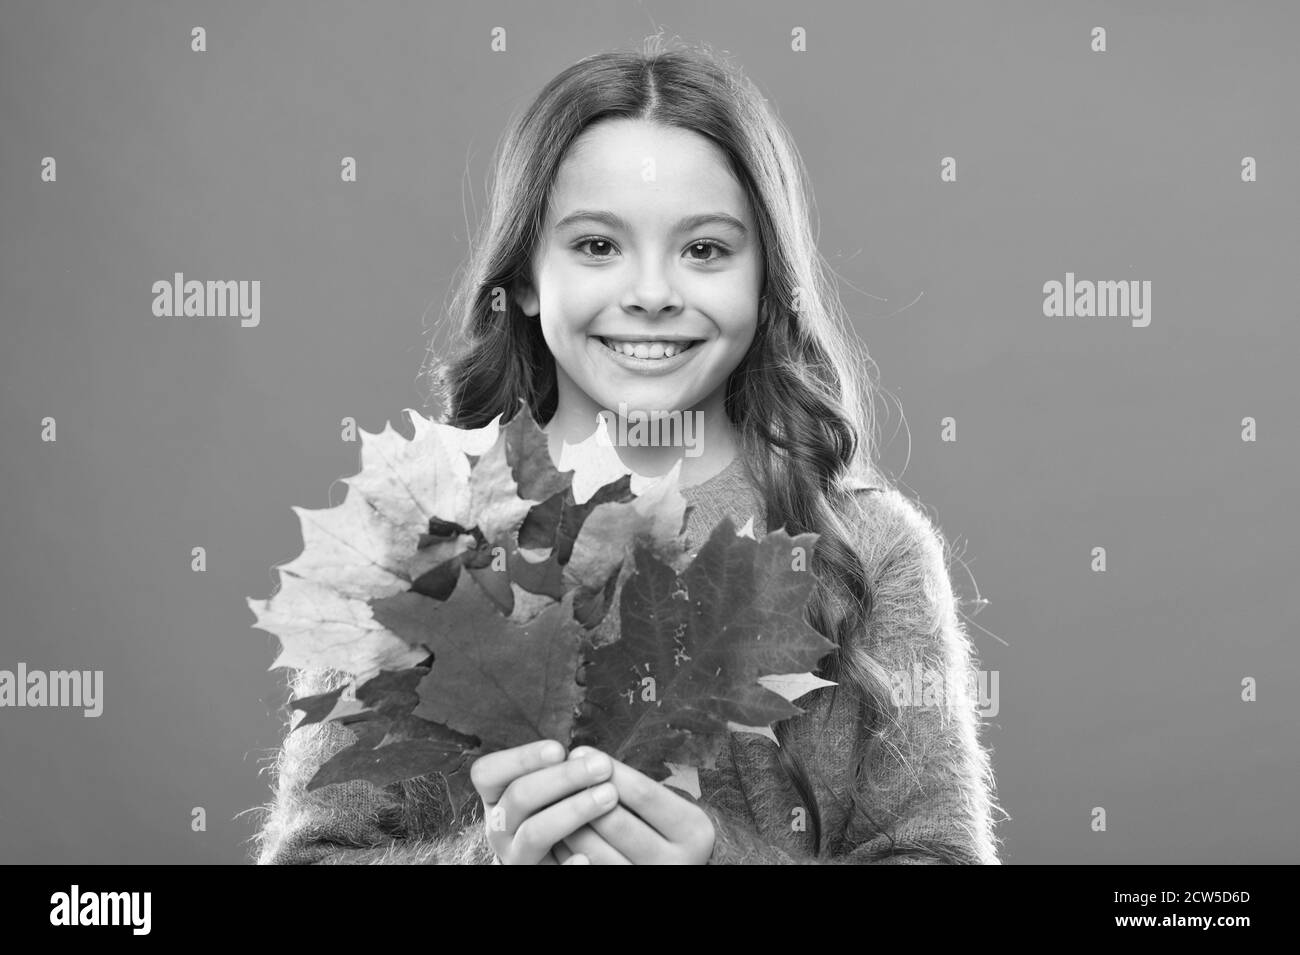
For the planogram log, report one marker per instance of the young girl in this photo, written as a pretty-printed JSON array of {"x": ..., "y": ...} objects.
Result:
[{"x": 647, "y": 246}]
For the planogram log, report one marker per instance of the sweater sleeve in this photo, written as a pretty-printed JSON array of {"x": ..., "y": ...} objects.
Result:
[
  {"x": 927, "y": 787},
  {"x": 355, "y": 823}
]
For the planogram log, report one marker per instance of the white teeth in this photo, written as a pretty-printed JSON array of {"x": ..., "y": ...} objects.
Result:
[{"x": 647, "y": 350}]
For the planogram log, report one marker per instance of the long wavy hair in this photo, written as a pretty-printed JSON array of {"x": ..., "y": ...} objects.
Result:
[{"x": 800, "y": 399}]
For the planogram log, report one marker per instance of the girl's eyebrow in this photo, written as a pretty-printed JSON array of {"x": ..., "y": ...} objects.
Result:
[{"x": 685, "y": 224}]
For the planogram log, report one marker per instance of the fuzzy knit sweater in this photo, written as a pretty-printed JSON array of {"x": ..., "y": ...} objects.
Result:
[{"x": 928, "y": 792}]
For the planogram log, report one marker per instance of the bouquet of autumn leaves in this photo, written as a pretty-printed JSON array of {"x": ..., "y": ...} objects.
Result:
[{"x": 466, "y": 586}]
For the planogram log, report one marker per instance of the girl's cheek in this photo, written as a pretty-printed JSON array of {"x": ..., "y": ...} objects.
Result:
[{"x": 579, "y": 297}]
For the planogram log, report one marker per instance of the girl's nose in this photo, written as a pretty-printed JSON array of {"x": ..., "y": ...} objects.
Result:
[{"x": 652, "y": 294}]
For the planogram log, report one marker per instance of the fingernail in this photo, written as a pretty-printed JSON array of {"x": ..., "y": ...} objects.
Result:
[
  {"x": 578, "y": 752},
  {"x": 598, "y": 765},
  {"x": 605, "y": 794},
  {"x": 579, "y": 859},
  {"x": 552, "y": 752}
]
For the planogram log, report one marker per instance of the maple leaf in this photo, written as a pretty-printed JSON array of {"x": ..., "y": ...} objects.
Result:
[
  {"x": 692, "y": 650},
  {"x": 507, "y": 682},
  {"x": 367, "y": 547},
  {"x": 392, "y": 744}
]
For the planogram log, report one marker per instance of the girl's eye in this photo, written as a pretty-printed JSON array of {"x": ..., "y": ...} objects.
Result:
[
  {"x": 707, "y": 244},
  {"x": 593, "y": 241}
]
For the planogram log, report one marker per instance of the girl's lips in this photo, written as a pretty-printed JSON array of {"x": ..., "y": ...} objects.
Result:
[{"x": 646, "y": 366}]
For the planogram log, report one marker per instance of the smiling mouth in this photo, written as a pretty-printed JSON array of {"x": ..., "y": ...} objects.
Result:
[{"x": 649, "y": 350}]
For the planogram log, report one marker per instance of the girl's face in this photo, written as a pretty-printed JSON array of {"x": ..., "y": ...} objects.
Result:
[{"x": 647, "y": 238}]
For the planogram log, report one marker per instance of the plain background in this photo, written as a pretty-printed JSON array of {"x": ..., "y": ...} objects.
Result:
[{"x": 1119, "y": 690}]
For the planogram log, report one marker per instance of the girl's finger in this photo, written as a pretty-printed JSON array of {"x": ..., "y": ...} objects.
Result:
[
  {"x": 654, "y": 802},
  {"x": 491, "y": 774},
  {"x": 586, "y": 841},
  {"x": 629, "y": 834},
  {"x": 565, "y": 857},
  {"x": 532, "y": 792},
  {"x": 540, "y": 831}
]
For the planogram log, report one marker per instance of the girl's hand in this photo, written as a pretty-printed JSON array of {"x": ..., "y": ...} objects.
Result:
[
  {"x": 651, "y": 825},
  {"x": 518, "y": 787}
]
